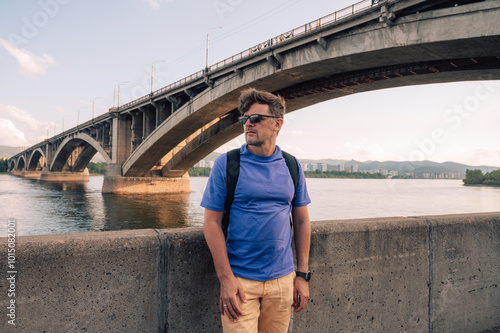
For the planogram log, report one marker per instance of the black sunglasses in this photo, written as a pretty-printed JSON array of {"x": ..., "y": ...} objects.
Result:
[{"x": 254, "y": 119}]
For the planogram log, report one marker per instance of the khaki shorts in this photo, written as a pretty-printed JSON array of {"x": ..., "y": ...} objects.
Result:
[{"x": 268, "y": 308}]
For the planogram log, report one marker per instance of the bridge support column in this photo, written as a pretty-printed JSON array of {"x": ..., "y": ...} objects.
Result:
[
  {"x": 64, "y": 176},
  {"x": 146, "y": 185},
  {"x": 16, "y": 172},
  {"x": 31, "y": 174}
]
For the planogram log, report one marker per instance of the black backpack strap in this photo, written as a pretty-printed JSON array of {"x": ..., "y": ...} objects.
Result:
[
  {"x": 232, "y": 174},
  {"x": 293, "y": 167}
]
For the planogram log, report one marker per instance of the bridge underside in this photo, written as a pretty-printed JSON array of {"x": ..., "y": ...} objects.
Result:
[{"x": 334, "y": 86}]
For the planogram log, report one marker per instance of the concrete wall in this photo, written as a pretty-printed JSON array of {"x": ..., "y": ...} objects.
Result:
[{"x": 422, "y": 274}]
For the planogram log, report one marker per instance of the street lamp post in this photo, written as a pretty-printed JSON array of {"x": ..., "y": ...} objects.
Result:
[
  {"x": 208, "y": 40},
  {"x": 78, "y": 117},
  {"x": 93, "y": 108},
  {"x": 152, "y": 69},
  {"x": 118, "y": 97}
]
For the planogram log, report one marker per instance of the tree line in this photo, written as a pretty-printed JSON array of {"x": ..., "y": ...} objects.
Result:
[
  {"x": 476, "y": 177},
  {"x": 342, "y": 174},
  {"x": 205, "y": 172},
  {"x": 4, "y": 166}
]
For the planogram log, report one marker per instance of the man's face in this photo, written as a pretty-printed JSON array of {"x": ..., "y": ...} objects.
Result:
[{"x": 264, "y": 132}]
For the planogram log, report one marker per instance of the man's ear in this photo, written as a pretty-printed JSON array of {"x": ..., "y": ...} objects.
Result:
[{"x": 279, "y": 123}]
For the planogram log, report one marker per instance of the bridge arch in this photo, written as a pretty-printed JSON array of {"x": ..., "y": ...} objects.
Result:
[
  {"x": 35, "y": 158},
  {"x": 417, "y": 49},
  {"x": 20, "y": 163},
  {"x": 89, "y": 147}
]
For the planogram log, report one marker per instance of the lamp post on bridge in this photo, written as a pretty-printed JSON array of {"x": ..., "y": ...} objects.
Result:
[
  {"x": 208, "y": 40},
  {"x": 63, "y": 124},
  {"x": 78, "y": 116},
  {"x": 152, "y": 69},
  {"x": 93, "y": 108},
  {"x": 118, "y": 98}
]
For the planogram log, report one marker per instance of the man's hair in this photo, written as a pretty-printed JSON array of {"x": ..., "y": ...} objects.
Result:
[{"x": 250, "y": 96}]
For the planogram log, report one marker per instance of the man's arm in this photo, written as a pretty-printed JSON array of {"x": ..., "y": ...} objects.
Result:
[
  {"x": 229, "y": 285},
  {"x": 302, "y": 235}
]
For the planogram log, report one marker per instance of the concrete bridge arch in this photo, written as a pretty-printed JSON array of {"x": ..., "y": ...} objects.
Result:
[
  {"x": 20, "y": 163},
  {"x": 445, "y": 45},
  {"x": 88, "y": 148},
  {"x": 35, "y": 158}
]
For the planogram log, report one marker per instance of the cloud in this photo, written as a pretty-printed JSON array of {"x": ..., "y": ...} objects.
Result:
[
  {"x": 10, "y": 135},
  {"x": 486, "y": 156},
  {"x": 19, "y": 128},
  {"x": 29, "y": 64}
]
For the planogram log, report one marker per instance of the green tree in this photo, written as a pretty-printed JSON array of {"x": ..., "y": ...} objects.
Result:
[
  {"x": 473, "y": 177},
  {"x": 4, "y": 166},
  {"x": 98, "y": 168},
  {"x": 199, "y": 172},
  {"x": 492, "y": 178}
]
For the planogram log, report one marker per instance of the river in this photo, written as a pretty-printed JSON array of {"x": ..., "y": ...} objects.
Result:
[{"x": 54, "y": 208}]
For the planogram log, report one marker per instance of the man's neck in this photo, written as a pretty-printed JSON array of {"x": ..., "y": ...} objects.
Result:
[{"x": 263, "y": 150}]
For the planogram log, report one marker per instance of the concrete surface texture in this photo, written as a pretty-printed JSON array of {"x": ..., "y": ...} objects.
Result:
[{"x": 413, "y": 274}]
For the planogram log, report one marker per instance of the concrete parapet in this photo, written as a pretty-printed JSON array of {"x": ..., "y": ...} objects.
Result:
[
  {"x": 145, "y": 185},
  {"x": 65, "y": 176},
  {"x": 88, "y": 282},
  {"x": 465, "y": 272},
  {"x": 421, "y": 274}
]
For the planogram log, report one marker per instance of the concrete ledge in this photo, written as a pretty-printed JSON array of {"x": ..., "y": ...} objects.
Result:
[
  {"x": 465, "y": 280},
  {"x": 145, "y": 185},
  {"x": 415, "y": 274},
  {"x": 88, "y": 282}
]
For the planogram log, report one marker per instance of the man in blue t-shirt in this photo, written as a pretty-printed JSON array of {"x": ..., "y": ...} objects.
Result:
[{"x": 255, "y": 266}]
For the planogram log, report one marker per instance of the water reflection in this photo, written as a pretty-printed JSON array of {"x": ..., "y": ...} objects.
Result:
[
  {"x": 145, "y": 211},
  {"x": 68, "y": 207}
]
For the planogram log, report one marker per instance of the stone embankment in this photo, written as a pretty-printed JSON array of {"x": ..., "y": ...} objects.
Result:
[{"x": 399, "y": 274}]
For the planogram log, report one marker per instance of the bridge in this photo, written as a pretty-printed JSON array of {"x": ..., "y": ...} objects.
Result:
[{"x": 150, "y": 143}]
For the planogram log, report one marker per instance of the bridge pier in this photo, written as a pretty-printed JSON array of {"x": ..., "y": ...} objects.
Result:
[
  {"x": 146, "y": 185},
  {"x": 16, "y": 173},
  {"x": 64, "y": 176},
  {"x": 31, "y": 174}
]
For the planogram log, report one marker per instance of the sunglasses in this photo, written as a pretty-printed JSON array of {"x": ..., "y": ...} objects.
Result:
[{"x": 254, "y": 119}]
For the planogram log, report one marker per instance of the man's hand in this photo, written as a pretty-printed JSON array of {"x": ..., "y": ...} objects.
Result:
[
  {"x": 300, "y": 288},
  {"x": 230, "y": 290}
]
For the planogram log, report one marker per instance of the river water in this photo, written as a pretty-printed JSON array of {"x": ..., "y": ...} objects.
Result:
[{"x": 54, "y": 208}]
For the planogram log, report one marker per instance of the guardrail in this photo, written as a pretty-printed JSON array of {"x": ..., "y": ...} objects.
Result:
[{"x": 303, "y": 29}]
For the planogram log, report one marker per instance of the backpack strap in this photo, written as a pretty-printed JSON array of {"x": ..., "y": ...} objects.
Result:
[
  {"x": 293, "y": 167},
  {"x": 232, "y": 174}
]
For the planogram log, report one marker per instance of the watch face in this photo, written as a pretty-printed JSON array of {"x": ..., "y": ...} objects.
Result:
[{"x": 305, "y": 276}]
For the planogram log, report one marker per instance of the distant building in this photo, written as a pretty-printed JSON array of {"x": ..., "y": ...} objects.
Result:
[{"x": 354, "y": 168}]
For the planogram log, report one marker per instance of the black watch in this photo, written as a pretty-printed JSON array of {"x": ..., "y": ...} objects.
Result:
[{"x": 305, "y": 276}]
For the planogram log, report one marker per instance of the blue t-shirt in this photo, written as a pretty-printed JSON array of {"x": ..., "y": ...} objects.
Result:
[{"x": 259, "y": 234}]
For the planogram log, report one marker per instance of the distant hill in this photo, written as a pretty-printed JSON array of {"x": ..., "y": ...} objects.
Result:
[
  {"x": 7, "y": 151},
  {"x": 401, "y": 167}
]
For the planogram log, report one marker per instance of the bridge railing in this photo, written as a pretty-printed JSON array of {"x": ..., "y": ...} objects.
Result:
[
  {"x": 303, "y": 29},
  {"x": 308, "y": 27}
]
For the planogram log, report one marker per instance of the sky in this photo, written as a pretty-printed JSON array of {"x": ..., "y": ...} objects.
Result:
[{"x": 62, "y": 61}]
